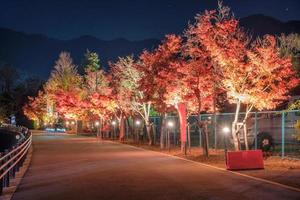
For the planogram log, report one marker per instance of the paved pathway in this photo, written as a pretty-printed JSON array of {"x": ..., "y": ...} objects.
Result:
[{"x": 78, "y": 168}]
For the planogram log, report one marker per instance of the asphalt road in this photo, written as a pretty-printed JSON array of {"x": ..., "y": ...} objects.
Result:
[{"x": 74, "y": 168}]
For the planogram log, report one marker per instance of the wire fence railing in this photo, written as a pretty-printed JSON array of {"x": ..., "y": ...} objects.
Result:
[
  {"x": 12, "y": 159},
  {"x": 281, "y": 126}
]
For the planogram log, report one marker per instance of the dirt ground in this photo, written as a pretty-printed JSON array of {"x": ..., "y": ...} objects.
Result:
[{"x": 285, "y": 171}]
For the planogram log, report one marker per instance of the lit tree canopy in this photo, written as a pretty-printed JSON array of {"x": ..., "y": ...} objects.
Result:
[
  {"x": 36, "y": 107},
  {"x": 160, "y": 81},
  {"x": 64, "y": 87},
  {"x": 64, "y": 76},
  {"x": 252, "y": 73}
]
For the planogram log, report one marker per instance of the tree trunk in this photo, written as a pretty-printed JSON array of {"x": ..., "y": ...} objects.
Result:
[
  {"x": 234, "y": 130},
  {"x": 245, "y": 126},
  {"x": 148, "y": 129},
  {"x": 205, "y": 141},
  {"x": 130, "y": 129},
  {"x": 189, "y": 137},
  {"x": 122, "y": 128},
  {"x": 162, "y": 130},
  {"x": 203, "y": 131},
  {"x": 76, "y": 127},
  {"x": 100, "y": 128},
  {"x": 181, "y": 108},
  {"x": 245, "y": 137}
]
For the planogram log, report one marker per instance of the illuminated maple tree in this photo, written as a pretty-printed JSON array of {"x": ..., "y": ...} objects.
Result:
[
  {"x": 252, "y": 72},
  {"x": 64, "y": 88},
  {"x": 129, "y": 98},
  {"x": 36, "y": 108},
  {"x": 163, "y": 81},
  {"x": 98, "y": 102}
]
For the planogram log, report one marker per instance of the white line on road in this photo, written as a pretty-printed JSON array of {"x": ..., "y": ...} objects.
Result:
[{"x": 217, "y": 168}]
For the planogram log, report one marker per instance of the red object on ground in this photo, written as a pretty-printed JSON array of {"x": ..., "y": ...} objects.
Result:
[
  {"x": 252, "y": 159},
  {"x": 182, "y": 117}
]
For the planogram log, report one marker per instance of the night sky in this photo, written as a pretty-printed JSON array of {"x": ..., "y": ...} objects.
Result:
[{"x": 130, "y": 19}]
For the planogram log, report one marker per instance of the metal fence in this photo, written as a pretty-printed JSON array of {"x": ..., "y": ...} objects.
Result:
[
  {"x": 281, "y": 125},
  {"x": 12, "y": 159}
]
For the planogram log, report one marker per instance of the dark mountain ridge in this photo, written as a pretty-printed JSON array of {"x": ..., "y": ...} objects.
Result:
[
  {"x": 36, "y": 54},
  {"x": 259, "y": 25}
]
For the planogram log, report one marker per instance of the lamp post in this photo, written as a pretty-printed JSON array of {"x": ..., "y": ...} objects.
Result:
[
  {"x": 114, "y": 125},
  {"x": 225, "y": 130},
  {"x": 97, "y": 127},
  {"x": 170, "y": 125},
  {"x": 137, "y": 130}
]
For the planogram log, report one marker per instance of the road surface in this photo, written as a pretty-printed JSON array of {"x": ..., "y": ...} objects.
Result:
[{"x": 81, "y": 168}]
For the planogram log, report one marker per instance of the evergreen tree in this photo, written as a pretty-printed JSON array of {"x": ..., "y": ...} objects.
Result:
[
  {"x": 91, "y": 61},
  {"x": 94, "y": 75}
]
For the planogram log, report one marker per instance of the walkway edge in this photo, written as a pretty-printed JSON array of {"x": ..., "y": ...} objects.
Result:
[
  {"x": 218, "y": 168},
  {"x": 10, "y": 191}
]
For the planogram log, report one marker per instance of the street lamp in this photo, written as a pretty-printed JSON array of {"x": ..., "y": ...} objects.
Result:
[
  {"x": 97, "y": 127},
  {"x": 170, "y": 125},
  {"x": 225, "y": 130},
  {"x": 73, "y": 123},
  {"x": 114, "y": 125},
  {"x": 137, "y": 122},
  {"x": 137, "y": 130}
]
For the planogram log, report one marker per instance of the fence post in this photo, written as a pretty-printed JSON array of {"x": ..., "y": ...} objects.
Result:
[
  {"x": 6, "y": 179},
  {"x": 200, "y": 135},
  {"x": 154, "y": 132},
  {"x": 255, "y": 132},
  {"x": 2, "y": 179},
  {"x": 282, "y": 133},
  {"x": 215, "y": 129},
  {"x": 126, "y": 129},
  {"x": 13, "y": 170}
]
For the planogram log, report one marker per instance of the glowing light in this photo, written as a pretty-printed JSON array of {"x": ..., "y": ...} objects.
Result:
[
  {"x": 226, "y": 130},
  {"x": 137, "y": 122},
  {"x": 113, "y": 122},
  {"x": 67, "y": 123},
  {"x": 170, "y": 124},
  {"x": 97, "y": 123},
  {"x": 73, "y": 123}
]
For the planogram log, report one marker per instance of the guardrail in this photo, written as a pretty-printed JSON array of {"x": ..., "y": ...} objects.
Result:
[{"x": 11, "y": 160}]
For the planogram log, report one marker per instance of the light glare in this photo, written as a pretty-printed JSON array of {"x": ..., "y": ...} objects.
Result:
[
  {"x": 226, "y": 130},
  {"x": 170, "y": 124}
]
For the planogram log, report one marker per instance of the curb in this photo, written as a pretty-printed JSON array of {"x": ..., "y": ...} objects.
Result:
[{"x": 217, "y": 168}]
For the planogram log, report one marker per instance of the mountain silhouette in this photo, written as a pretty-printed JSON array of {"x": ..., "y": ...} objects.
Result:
[
  {"x": 36, "y": 53},
  {"x": 259, "y": 25}
]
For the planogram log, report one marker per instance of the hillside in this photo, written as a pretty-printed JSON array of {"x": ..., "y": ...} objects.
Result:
[{"x": 36, "y": 54}]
